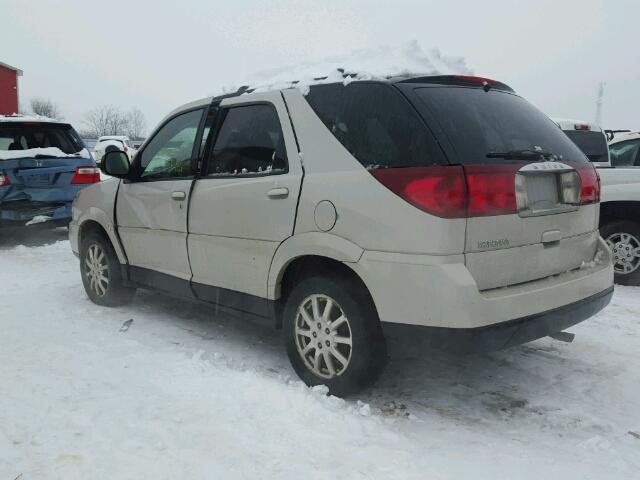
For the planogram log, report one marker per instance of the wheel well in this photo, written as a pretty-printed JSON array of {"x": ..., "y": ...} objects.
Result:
[
  {"x": 90, "y": 226},
  {"x": 610, "y": 211},
  {"x": 313, "y": 265}
]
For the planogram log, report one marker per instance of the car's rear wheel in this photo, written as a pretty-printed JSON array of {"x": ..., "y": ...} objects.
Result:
[
  {"x": 101, "y": 273},
  {"x": 623, "y": 237},
  {"x": 333, "y": 335}
]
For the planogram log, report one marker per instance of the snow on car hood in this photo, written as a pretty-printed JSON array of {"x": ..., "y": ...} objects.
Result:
[
  {"x": 48, "y": 151},
  {"x": 365, "y": 64}
]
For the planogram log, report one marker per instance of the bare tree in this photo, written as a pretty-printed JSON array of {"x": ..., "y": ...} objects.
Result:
[
  {"x": 46, "y": 108},
  {"x": 136, "y": 124},
  {"x": 106, "y": 120}
]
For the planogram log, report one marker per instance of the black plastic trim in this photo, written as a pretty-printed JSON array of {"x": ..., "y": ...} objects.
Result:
[
  {"x": 229, "y": 299},
  {"x": 509, "y": 333}
]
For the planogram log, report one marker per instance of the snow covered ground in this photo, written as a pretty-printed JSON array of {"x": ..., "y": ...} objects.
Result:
[{"x": 185, "y": 393}]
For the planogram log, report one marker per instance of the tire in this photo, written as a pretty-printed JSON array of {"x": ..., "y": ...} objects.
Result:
[
  {"x": 354, "y": 367},
  {"x": 109, "y": 289},
  {"x": 623, "y": 237}
]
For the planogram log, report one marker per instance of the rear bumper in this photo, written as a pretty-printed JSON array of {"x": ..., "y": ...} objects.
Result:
[
  {"x": 21, "y": 212},
  {"x": 510, "y": 333},
  {"x": 439, "y": 291}
]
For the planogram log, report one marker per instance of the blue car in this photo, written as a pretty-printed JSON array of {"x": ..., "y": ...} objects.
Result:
[{"x": 43, "y": 164}]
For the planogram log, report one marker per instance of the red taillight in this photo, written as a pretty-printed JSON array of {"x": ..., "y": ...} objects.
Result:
[
  {"x": 589, "y": 185},
  {"x": 438, "y": 190},
  {"x": 455, "y": 191},
  {"x": 86, "y": 175},
  {"x": 582, "y": 126},
  {"x": 126, "y": 149},
  {"x": 491, "y": 189},
  {"x": 481, "y": 190},
  {"x": 4, "y": 180}
]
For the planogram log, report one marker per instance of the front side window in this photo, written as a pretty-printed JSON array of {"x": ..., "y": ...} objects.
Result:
[
  {"x": 250, "y": 141},
  {"x": 170, "y": 153},
  {"x": 625, "y": 154},
  {"x": 376, "y": 124}
]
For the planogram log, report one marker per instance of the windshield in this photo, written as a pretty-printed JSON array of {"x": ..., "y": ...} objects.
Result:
[
  {"x": 17, "y": 137},
  {"x": 593, "y": 144},
  {"x": 482, "y": 125}
]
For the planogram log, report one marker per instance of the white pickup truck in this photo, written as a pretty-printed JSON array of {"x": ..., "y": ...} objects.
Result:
[{"x": 619, "y": 168}]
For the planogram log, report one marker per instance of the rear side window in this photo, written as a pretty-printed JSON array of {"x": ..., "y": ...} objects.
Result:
[
  {"x": 625, "y": 154},
  {"x": 376, "y": 124},
  {"x": 478, "y": 123},
  {"x": 593, "y": 144},
  {"x": 249, "y": 141}
]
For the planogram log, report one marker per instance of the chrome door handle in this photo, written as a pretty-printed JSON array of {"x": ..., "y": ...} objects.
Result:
[
  {"x": 278, "y": 193},
  {"x": 178, "y": 196}
]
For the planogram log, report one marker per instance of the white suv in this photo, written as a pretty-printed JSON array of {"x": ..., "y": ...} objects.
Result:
[
  {"x": 116, "y": 142},
  {"x": 445, "y": 203}
]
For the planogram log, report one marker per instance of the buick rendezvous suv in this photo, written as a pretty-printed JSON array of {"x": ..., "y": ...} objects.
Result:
[{"x": 446, "y": 203}]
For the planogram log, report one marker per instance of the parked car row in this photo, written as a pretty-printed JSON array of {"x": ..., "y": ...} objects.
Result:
[
  {"x": 617, "y": 164},
  {"x": 447, "y": 204}
]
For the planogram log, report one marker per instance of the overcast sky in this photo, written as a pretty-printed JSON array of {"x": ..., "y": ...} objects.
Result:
[{"x": 157, "y": 55}]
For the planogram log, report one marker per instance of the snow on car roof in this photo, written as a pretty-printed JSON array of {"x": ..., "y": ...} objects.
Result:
[
  {"x": 570, "y": 124},
  {"x": 29, "y": 118},
  {"x": 380, "y": 63},
  {"x": 383, "y": 63}
]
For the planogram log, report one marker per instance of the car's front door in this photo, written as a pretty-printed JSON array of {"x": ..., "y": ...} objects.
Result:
[
  {"x": 244, "y": 203},
  {"x": 152, "y": 207}
]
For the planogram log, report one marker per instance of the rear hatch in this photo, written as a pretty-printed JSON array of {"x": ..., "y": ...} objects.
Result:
[
  {"x": 532, "y": 196},
  {"x": 42, "y": 162}
]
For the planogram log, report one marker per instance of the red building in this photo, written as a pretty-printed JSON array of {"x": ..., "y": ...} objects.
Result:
[{"x": 9, "y": 89}]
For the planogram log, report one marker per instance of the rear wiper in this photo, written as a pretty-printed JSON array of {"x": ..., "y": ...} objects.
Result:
[{"x": 521, "y": 154}]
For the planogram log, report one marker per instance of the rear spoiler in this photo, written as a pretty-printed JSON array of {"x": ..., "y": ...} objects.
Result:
[{"x": 612, "y": 133}]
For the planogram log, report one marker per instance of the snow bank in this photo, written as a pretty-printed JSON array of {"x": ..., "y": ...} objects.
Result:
[
  {"x": 185, "y": 393},
  {"x": 48, "y": 151},
  {"x": 362, "y": 64}
]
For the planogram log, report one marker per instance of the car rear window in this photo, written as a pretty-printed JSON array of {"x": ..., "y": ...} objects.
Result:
[
  {"x": 478, "y": 122},
  {"x": 593, "y": 144},
  {"x": 376, "y": 124},
  {"x": 25, "y": 136}
]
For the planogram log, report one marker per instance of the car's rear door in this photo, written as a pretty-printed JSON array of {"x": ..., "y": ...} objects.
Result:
[
  {"x": 530, "y": 214},
  {"x": 244, "y": 204},
  {"x": 152, "y": 207}
]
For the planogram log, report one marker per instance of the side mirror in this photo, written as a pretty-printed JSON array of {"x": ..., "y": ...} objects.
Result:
[{"x": 116, "y": 164}]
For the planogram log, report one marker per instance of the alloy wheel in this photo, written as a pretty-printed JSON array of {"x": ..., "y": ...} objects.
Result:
[
  {"x": 626, "y": 252},
  {"x": 323, "y": 336},
  {"x": 96, "y": 269}
]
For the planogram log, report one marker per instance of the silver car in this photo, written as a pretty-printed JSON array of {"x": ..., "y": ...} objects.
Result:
[{"x": 445, "y": 204}]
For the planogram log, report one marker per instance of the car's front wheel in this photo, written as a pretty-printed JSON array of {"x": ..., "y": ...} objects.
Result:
[
  {"x": 623, "y": 238},
  {"x": 101, "y": 273},
  {"x": 333, "y": 335}
]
